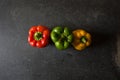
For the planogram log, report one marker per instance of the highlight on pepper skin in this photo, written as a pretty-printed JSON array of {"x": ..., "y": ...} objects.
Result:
[
  {"x": 82, "y": 39},
  {"x": 39, "y": 36}
]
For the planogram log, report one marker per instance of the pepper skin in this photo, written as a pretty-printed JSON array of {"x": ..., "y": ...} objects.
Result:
[
  {"x": 82, "y": 39},
  {"x": 39, "y": 36},
  {"x": 62, "y": 37}
]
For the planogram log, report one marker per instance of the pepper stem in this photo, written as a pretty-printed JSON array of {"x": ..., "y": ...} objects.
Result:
[
  {"x": 62, "y": 38},
  {"x": 83, "y": 39},
  {"x": 38, "y": 36}
]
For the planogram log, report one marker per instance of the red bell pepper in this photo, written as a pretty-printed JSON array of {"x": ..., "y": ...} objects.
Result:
[{"x": 39, "y": 36}]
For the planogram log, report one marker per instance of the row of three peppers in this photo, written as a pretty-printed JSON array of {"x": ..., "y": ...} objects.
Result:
[{"x": 61, "y": 37}]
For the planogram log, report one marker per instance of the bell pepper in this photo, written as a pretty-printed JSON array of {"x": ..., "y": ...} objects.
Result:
[
  {"x": 82, "y": 39},
  {"x": 39, "y": 36},
  {"x": 61, "y": 37}
]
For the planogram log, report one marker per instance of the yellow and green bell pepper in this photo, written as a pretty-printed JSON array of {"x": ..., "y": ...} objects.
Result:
[{"x": 81, "y": 40}]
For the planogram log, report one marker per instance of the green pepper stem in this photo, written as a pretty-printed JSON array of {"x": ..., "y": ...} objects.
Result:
[
  {"x": 62, "y": 38},
  {"x": 37, "y": 36},
  {"x": 83, "y": 40}
]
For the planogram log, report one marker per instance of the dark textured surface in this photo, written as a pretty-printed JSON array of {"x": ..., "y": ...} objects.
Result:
[{"x": 20, "y": 61}]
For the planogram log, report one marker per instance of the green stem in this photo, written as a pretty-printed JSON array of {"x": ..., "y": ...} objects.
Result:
[
  {"x": 62, "y": 38},
  {"x": 38, "y": 36},
  {"x": 83, "y": 40}
]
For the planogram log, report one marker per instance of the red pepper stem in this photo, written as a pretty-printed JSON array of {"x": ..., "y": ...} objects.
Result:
[
  {"x": 83, "y": 39},
  {"x": 38, "y": 36}
]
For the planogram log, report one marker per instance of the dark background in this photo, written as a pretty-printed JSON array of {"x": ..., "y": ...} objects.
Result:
[{"x": 20, "y": 61}]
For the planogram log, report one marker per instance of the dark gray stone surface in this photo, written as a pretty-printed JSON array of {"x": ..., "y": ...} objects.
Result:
[{"x": 20, "y": 61}]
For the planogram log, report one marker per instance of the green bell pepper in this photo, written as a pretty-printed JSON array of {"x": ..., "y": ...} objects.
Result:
[{"x": 62, "y": 37}]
